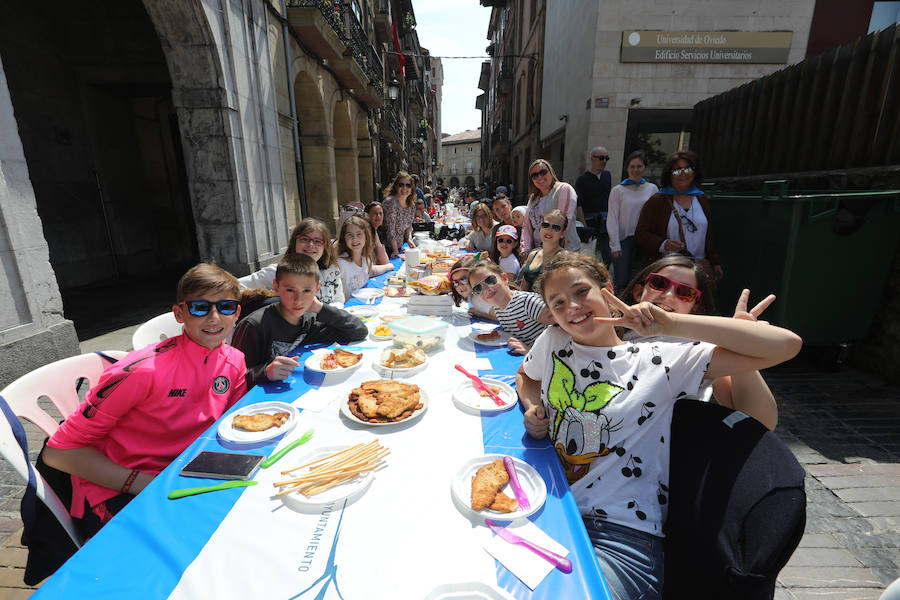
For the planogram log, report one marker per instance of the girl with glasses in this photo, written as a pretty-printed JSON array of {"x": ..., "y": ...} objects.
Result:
[
  {"x": 625, "y": 203},
  {"x": 399, "y": 211},
  {"x": 523, "y": 315},
  {"x": 356, "y": 256},
  {"x": 678, "y": 284},
  {"x": 676, "y": 220},
  {"x": 312, "y": 238},
  {"x": 547, "y": 193},
  {"x": 606, "y": 405},
  {"x": 552, "y": 232},
  {"x": 460, "y": 290}
]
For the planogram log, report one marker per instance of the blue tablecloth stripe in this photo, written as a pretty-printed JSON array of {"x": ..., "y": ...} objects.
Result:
[{"x": 540, "y": 454}]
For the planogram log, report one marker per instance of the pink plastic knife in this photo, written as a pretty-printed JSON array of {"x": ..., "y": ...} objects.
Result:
[
  {"x": 560, "y": 562},
  {"x": 514, "y": 481},
  {"x": 481, "y": 387}
]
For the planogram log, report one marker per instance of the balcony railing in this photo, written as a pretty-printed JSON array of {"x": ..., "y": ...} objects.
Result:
[
  {"x": 393, "y": 124},
  {"x": 361, "y": 49},
  {"x": 329, "y": 9}
]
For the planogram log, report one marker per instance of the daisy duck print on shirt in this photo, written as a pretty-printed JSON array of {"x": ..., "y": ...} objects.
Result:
[{"x": 610, "y": 411}]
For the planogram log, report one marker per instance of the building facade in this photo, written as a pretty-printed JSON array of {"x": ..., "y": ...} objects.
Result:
[
  {"x": 511, "y": 81},
  {"x": 461, "y": 165},
  {"x": 633, "y": 71},
  {"x": 139, "y": 138}
]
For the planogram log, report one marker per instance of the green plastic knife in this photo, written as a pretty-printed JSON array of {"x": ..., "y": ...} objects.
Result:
[
  {"x": 175, "y": 494},
  {"x": 278, "y": 455}
]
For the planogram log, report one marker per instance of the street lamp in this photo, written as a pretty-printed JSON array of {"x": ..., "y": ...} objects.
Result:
[{"x": 393, "y": 89}]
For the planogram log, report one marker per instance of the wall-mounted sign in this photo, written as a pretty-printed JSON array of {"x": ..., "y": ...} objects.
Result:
[{"x": 706, "y": 46}]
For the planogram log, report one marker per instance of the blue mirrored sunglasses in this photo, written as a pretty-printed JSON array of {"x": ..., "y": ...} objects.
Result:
[{"x": 201, "y": 308}]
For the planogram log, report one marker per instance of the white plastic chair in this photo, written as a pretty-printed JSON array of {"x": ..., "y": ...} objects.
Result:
[
  {"x": 58, "y": 382},
  {"x": 156, "y": 330},
  {"x": 891, "y": 592}
]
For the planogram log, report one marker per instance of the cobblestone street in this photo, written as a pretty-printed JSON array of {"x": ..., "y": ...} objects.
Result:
[{"x": 844, "y": 428}]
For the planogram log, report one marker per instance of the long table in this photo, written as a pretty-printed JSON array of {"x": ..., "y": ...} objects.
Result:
[{"x": 403, "y": 538}]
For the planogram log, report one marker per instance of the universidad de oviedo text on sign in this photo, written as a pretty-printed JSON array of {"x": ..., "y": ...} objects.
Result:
[{"x": 706, "y": 46}]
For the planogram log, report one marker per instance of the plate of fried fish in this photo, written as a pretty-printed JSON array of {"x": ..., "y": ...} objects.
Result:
[
  {"x": 258, "y": 422},
  {"x": 337, "y": 360},
  {"x": 384, "y": 402},
  {"x": 481, "y": 487}
]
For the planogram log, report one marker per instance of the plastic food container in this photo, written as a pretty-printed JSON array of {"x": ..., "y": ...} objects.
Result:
[{"x": 421, "y": 332}]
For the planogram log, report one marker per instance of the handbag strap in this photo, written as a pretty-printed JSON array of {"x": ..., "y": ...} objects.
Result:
[{"x": 678, "y": 220}]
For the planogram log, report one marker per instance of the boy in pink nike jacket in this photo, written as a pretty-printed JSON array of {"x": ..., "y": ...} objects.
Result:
[{"x": 153, "y": 403}]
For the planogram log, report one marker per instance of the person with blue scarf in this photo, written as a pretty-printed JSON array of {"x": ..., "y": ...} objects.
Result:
[
  {"x": 625, "y": 203},
  {"x": 677, "y": 219}
]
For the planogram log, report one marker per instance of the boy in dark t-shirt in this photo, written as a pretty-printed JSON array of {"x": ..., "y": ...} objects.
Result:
[{"x": 268, "y": 335}]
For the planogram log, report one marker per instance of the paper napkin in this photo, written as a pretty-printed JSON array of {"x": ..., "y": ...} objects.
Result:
[
  {"x": 520, "y": 561},
  {"x": 316, "y": 400},
  {"x": 474, "y": 364}
]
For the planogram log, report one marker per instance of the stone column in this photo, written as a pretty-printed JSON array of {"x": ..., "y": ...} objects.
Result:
[{"x": 33, "y": 329}]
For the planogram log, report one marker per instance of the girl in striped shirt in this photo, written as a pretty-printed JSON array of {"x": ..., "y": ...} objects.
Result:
[{"x": 523, "y": 315}]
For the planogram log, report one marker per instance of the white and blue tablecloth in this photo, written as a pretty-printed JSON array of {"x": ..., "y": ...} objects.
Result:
[{"x": 401, "y": 539}]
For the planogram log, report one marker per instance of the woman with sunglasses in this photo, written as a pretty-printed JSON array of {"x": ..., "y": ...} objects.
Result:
[
  {"x": 399, "y": 211},
  {"x": 625, "y": 203},
  {"x": 312, "y": 238},
  {"x": 548, "y": 193},
  {"x": 676, "y": 220},
  {"x": 678, "y": 284},
  {"x": 553, "y": 239}
]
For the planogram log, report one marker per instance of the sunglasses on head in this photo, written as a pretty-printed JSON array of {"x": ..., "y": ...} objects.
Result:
[
  {"x": 540, "y": 173},
  {"x": 478, "y": 287},
  {"x": 201, "y": 308},
  {"x": 600, "y": 156},
  {"x": 683, "y": 291},
  {"x": 553, "y": 226},
  {"x": 683, "y": 171},
  {"x": 404, "y": 185}
]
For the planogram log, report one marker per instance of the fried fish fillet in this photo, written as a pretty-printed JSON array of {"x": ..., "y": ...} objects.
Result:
[
  {"x": 385, "y": 398},
  {"x": 346, "y": 359},
  {"x": 260, "y": 421},
  {"x": 503, "y": 503},
  {"x": 487, "y": 482}
]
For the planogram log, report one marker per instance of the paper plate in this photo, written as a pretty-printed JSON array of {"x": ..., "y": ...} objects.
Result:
[
  {"x": 470, "y": 400},
  {"x": 314, "y": 363},
  {"x": 467, "y": 590},
  {"x": 500, "y": 341},
  {"x": 379, "y": 338},
  {"x": 531, "y": 481},
  {"x": 366, "y": 293},
  {"x": 363, "y": 311},
  {"x": 227, "y": 431},
  {"x": 394, "y": 373},
  {"x": 349, "y": 490},
  {"x": 423, "y": 398}
]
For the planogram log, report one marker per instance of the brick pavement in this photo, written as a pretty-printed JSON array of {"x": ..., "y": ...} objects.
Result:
[{"x": 844, "y": 428}]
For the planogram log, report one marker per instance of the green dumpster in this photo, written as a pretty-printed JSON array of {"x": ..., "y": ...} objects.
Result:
[{"x": 828, "y": 285}]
